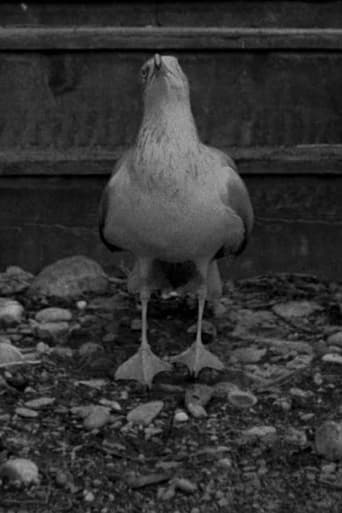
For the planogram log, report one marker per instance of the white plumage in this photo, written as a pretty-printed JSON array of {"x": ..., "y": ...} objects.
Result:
[{"x": 176, "y": 205}]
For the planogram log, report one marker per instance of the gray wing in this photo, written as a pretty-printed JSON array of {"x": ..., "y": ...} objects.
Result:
[
  {"x": 104, "y": 204},
  {"x": 237, "y": 199}
]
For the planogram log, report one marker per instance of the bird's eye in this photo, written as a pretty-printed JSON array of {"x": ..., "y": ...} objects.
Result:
[{"x": 144, "y": 73}]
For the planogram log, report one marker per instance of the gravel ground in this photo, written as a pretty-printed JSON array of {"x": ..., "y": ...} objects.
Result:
[{"x": 251, "y": 450}]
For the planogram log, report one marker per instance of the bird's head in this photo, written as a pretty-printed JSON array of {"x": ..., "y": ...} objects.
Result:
[{"x": 164, "y": 82}]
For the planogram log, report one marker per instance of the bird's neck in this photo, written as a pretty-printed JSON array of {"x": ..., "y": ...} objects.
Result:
[{"x": 167, "y": 136}]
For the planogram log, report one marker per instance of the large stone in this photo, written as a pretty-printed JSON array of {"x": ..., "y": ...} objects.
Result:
[
  {"x": 14, "y": 280},
  {"x": 53, "y": 314},
  {"x": 70, "y": 278},
  {"x": 11, "y": 312}
]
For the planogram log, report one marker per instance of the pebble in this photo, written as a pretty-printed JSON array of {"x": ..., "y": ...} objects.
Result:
[
  {"x": 296, "y": 437},
  {"x": 250, "y": 354},
  {"x": 98, "y": 418},
  {"x": 145, "y": 413},
  {"x": 181, "y": 416},
  {"x": 328, "y": 440},
  {"x": 113, "y": 405},
  {"x": 109, "y": 337},
  {"x": 328, "y": 468},
  {"x": 43, "y": 348},
  {"x": 184, "y": 485},
  {"x": 196, "y": 398},
  {"x": 242, "y": 399},
  {"x": 21, "y": 471},
  {"x": 94, "y": 416},
  {"x": 332, "y": 358},
  {"x": 40, "y": 402},
  {"x": 11, "y": 312},
  {"x": 52, "y": 331},
  {"x": 225, "y": 463},
  {"x": 294, "y": 309},
  {"x": 26, "y": 412},
  {"x": 298, "y": 393},
  {"x": 9, "y": 353},
  {"x": 62, "y": 352},
  {"x": 81, "y": 305},
  {"x": 53, "y": 314},
  {"x": 89, "y": 348},
  {"x": 89, "y": 497},
  {"x": 260, "y": 431},
  {"x": 335, "y": 339},
  {"x": 224, "y": 388}
]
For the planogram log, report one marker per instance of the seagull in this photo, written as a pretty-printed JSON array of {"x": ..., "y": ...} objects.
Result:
[{"x": 177, "y": 205}]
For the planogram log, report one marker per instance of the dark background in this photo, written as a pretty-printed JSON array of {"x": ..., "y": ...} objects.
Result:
[{"x": 266, "y": 82}]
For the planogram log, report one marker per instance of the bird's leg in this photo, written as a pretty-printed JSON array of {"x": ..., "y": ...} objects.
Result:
[
  {"x": 144, "y": 364},
  {"x": 197, "y": 357}
]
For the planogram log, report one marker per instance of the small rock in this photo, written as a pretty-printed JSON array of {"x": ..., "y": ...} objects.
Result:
[
  {"x": 299, "y": 393},
  {"x": 283, "y": 403},
  {"x": 20, "y": 471},
  {"x": 295, "y": 309},
  {"x": 328, "y": 440},
  {"x": 70, "y": 278},
  {"x": 54, "y": 331},
  {"x": 145, "y": 413},
  {"x": 332, "y": 358},
  {"x": 14, "y": 280},
  {"x": 89, "y": 497},
  {"x": 26, "y": 412},
  {"x": 224, "y": 388},
  {"x": 184, "y": 485},
  {"x": 181, "y": 416},
  {"x": 260, "y": 432},
  {"x": 109, "y": 337},
  {"x": 135, "y": 480},
  {"x": 296, "y": 437},
  {"x": 96, "y": 383},
  {"x": 81, "y": 305},
  {"x": 9, "y": 353},
  {"x": 53, "y": 314},
  {"x": 335, "y": 339},
  {"x": 225, "y": 463},
  {"x": 62, "y": 352},
  {"x": 89, "y": 348},
  {"x": 196, "y": 398},
  {"x": 41, "y": 402},
  {"x": 328, "y": 468},
  {"x": 113, "y": 405},
  {"x": 317, "y": 379},
  {"x": 250, "y": 354},
  {"x": 93, "y": 415},
  {"x": 242, "y": 399},
  {"x": 11, "y": 312},
  {"x": 43, "y": 348},
  {"x": 97, "y": 418}
]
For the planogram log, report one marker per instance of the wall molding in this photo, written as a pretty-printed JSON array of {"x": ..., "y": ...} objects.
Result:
[
  {"x": 320, "y": 159},
  {"x": 175, "y": 38}
]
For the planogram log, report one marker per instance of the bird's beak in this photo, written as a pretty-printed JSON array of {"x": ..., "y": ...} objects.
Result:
[{"x": 157, "y": 61}]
